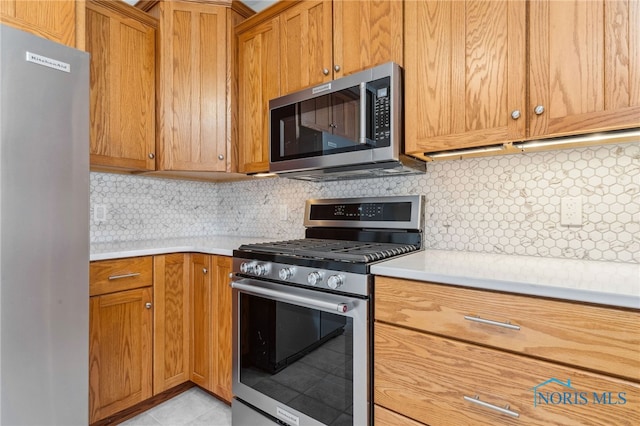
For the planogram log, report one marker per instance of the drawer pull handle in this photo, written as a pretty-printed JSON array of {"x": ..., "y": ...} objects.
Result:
[
  {"x": 476, "y": 400},
  {"x": 491, "y": 322},
  {"x": 117, "y": 277}
]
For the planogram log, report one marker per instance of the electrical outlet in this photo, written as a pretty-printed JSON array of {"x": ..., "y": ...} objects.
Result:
[
  {"x": 284, "y": 212},
  {"x": 571, "y": 211},
  {"x": 100, "y": 213}
]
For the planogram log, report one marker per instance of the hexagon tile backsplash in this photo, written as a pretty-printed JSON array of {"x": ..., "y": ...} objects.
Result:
[{"x": 504, "y": 204}]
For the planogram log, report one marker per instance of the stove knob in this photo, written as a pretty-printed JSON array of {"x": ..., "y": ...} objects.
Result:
[
  {"x": 314, "y": 278},
  {"x": 335, "y": 281},
  {"x": 260, "y": 269},
  {"x": 245, "y": 268},
  {"x": 285, "y": 273}
]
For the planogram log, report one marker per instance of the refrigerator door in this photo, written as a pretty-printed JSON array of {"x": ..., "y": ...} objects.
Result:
[{"x": 44, "y": 231}]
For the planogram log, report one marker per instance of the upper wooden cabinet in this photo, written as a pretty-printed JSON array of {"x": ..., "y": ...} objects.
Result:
[
  {"x": 465, "y": 73},
  {"x": 324, "y": 40},
  {"x": 470, "y": 64},
  {"x": 58, "y": 20},
  {"x": 194, "y": 85},
  {"x": 121, "y": 40},
  {"x": 584, "y": 66},
  {"x": 258, "y": 82}
]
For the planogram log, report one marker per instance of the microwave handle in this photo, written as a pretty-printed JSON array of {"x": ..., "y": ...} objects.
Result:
[
  {"x": 363, "y": 114},
  {"x": 342, "y": 308}
]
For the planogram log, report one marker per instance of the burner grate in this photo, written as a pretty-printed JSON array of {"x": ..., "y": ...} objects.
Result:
[{"x": 344, "y": 251}]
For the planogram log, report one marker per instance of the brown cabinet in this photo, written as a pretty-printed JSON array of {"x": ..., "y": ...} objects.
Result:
[
  {"x": 465, "y": 73},
  {"x": 157, "y": 322},
  {"x": 319, "y": 41},
  {"x": 211, "y": 324},
  {"x": 194, "y": 85},
  {"x": 468, "y": 64},
  {"x": 258, "y": 82},
  {"x": 222, "y": 336},
  {"x": 201, "y": 320},
  {"x": 120, "y": 335},
  {"x": 171, "y": 321},
  {"x": 584, "y": 66},
  {"x": 447, "y": 354},
  {"x": 121, "y": 40},
  {"x": 61, "y": 20},
  {"x": 306, "y": 50}
]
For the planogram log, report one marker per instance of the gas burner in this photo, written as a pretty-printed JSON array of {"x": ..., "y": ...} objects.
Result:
[{"x": 337, "y": 250}]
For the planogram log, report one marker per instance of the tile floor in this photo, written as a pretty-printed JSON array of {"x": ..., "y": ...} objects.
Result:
[{"x": 191, "y": 408}]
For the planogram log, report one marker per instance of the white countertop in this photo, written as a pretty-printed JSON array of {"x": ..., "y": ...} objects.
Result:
[
  {"x": 216, "y": 244},
  {"x": 608, "y": 283}
]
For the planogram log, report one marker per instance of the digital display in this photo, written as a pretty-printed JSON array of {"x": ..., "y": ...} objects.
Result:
[{"x": 364, "y": 212}]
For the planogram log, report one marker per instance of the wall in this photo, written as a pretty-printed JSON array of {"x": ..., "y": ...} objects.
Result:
[{"x": 504, "y": 204}]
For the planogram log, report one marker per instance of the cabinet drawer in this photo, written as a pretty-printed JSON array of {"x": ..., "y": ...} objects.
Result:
[
  {"x": 108, "y": 276},
  {"x": 592, "y": 337},
  {"x": 384, "y": 417},
  {"x": 427, "y": 378}
]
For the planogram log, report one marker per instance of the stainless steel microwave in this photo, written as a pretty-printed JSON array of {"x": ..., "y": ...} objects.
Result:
[{"x": 344, "y": 129}]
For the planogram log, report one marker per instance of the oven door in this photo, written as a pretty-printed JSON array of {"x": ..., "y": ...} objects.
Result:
[{"x": 301, "y": 356}]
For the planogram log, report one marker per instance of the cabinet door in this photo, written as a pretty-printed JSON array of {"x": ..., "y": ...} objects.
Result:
[
  {"x": 366, "y": 34},
  {"x": 584, "y": 66},
  {"x": 121, "y": 40},
  {"x": 258, "y": 82},
  {"x": 222, "y": 337},
  {"x": 53, "y": 20},
  {"x": 465, "y": 73},
  {"x": 305, "y": 45},
  {"x": 192, "y": 87},
  {"x": 171, "y": 321},
  {"x": 120, "y": 351},
  {"x": 201, "y": 323}
]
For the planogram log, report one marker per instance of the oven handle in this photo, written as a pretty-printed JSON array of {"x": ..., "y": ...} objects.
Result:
[{"x": 342, "y": 308}]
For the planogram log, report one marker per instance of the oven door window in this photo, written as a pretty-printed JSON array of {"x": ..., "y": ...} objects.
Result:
[{"x": 299, "y": 356}]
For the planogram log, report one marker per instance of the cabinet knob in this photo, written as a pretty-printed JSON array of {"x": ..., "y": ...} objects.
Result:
[
  {"x": 515, "y": 114},
  {"x": 538, "y": 110},
  {"x": 152, "y": 155},
  {"x": 336, "y": 68},
  {"x": 220, "y": 157},
  {"x": 325, "y": 71},
  {"x": 205, "y": 270},
  {"x": 147, "y": 305}
]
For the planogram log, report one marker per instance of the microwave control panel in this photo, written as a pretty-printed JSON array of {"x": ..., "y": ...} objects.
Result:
[{"x": 381, "y": 92}]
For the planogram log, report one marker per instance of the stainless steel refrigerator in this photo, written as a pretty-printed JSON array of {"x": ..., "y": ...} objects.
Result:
[{"x": 44, "y": 231}]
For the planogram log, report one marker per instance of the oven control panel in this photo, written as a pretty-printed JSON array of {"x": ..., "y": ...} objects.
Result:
[{"x": 345, "y": 282}]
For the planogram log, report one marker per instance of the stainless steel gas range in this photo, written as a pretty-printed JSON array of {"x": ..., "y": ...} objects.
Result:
[{"x": 302, "y": 312}]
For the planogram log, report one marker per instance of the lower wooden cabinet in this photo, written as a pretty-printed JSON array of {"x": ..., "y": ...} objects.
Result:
[
  {"x": 222, "y": 337},
  {"x": 171, "y": 321},
  {"x": 120, "y": 355},
  {"x": 120, "y": 335},
  {"x": 157, "y": 322},
  {"x": 211, "y": 324},
  {"x": 438, "y": 361}
]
